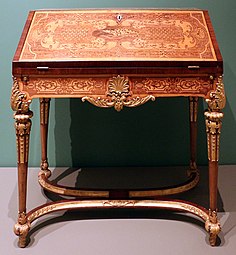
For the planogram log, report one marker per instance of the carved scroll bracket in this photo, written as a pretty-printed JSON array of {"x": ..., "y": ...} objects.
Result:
[
  {"x": 19, "y": 99},
  {"x": 214, "y": 119},
  {"x": 217, "y": 99},
  {"x": 20, "y": 103},
  {"x": 118, "y": 95}
]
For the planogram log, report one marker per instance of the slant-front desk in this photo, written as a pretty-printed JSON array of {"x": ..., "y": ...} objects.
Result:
[{"x": 117, "y": 58}]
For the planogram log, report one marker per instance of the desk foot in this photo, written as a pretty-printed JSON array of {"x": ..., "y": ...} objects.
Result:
[
  {"x": 212, "y": 225},
  {"x": 44, "y": 169},
  {"x": 22, "y": 231}
]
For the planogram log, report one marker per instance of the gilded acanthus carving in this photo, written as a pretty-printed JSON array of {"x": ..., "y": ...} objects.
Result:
[
  {"x": 214, "y": 119},
  {"x": 118, "y": 95},
  {"x": 19, "y": 101},
  {"x": 217, "y": 98},
  {"x": 213, "y": 129}
]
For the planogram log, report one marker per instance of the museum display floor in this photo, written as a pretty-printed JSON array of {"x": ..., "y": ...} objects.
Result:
[{"x": 118, "y": 231}]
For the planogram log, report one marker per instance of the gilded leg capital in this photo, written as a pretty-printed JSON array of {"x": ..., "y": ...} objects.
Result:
[
  {"x": 213, "y": 129},
  {"x": 23, "y": 127}
]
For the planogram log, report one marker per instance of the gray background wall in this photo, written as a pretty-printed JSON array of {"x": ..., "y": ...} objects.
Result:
[{"x": 81, "y": 134}]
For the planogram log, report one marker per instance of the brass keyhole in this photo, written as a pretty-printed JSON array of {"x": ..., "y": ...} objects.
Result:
[{"x": 119, "y": 17}]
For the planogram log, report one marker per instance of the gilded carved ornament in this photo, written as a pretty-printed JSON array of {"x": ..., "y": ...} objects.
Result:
[
  {"x": 217, "y": 99},
  {"x": 20, "y": 104},
  {"x": 118, "y": 95},
  {"x": 212, "y": 225},
  {"x": 19, "y": 101},
  {"x": 213, "y": 119},
  {"x": 22, "y": 231}
]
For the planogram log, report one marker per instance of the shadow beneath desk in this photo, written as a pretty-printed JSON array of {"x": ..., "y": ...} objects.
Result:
[{"x": 135, "y": 178}]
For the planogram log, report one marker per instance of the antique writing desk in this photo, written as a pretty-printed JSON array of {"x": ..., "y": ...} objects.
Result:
[{"x": 117, "y": 58}]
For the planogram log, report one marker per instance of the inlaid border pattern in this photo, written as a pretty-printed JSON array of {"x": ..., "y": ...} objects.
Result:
[{"x": 99, "y": 87}]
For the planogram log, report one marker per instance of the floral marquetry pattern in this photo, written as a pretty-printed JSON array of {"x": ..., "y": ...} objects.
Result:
[
  {"x": 89, "y": 34},
  {"x": 175, "y": 85},
  {"x": 64, "y": 86}
]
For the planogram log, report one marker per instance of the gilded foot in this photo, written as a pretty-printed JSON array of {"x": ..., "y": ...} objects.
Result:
[
  {"x": 22, "y": 231},
  {"x": 212, "y": 225},
  {"x": 44, "y": 169}
]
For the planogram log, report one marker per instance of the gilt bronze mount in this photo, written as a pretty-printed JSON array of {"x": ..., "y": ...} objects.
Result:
[{"x": 118, "y": 95}]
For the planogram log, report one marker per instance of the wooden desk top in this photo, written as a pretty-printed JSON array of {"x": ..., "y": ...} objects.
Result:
[
  {"x": 116, "y": 38},
  {"x": 117, "y": 57}
]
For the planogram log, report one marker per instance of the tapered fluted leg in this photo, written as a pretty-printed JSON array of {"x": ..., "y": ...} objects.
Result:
[
  {"x": 22, "y": 126},
  {"x": 214, "y": 116},
  {"x": 20, "y": 104},
  {"x": 44, "y": 117},
  {"x": 193, "y": 108},
  {"x": 213, "y": 127}
]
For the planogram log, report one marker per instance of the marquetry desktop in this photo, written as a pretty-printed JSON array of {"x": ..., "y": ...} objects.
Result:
[{"x": 117, "y": 58}]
